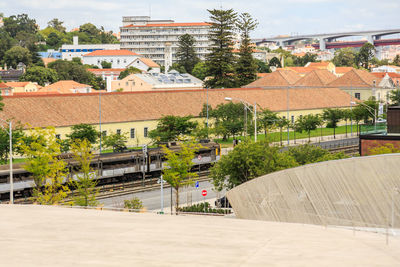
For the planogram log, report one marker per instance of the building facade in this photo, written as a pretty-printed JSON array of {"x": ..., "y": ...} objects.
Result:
[
  {"x": 149, "y": 37},
  {"x": 119, "y": 59}
]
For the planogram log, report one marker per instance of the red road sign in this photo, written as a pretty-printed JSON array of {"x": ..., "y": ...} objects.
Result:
[{"x": 204, "y": 193}]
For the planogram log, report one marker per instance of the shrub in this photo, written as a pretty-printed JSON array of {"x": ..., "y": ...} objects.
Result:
[
  {"x": 134, "y": 204},
  {"x": 203, "y": 207}
]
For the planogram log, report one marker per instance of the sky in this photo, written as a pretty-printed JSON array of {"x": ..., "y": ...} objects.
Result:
[{"x": 275, "y": 17}]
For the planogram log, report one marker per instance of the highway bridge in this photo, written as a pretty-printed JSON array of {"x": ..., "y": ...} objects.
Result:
[{"x": 329, "y": 40}]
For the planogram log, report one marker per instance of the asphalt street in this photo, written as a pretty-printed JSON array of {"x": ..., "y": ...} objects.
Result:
[{"x": 152, "y": 199}]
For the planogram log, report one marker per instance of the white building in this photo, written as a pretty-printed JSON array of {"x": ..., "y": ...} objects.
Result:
[
  {"x": 387, "y": 68},
  {"x": 78, "y": 50},
  {"x": 119, "y": 59},
  {"x": 148, "y": 37}
]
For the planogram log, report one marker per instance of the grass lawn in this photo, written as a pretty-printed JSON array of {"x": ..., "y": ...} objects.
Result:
[{"x": 275, "y": 136}]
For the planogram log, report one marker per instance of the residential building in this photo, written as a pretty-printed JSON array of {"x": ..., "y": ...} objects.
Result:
[
  {"x": 325, "y": 55},
  {"x": 302, "y": 71},
  {"x": 11, "y": 75},
  {"x": 394, "y": 76},
  {"x": 119, "y": 59},
  {"x": 145, "y": 64},
  {"x": 387, "y": 68},
  {"x": 317, "y": 78},
  {"x": 340, "y": 71},
  {"x": 113, "y": 74},
  {"x": 149, "y": 37},
  {"x": 67, "y": 87},
  {"x": 69, "y": 51},
  {"x": 257, "y": 54},
  {"x": 322, "y": 65},
  {"x": 51, "y": 53},
  {"x": 279, "y": 78},
  {"x": 172, "y": 80},
  {"x": 141, "y": 111},
  {"x": 23, "y": 87},
  {"x": 5, "y": 89}
]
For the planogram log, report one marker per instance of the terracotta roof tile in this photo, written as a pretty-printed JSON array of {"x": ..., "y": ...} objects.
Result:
[
  {"x": 383, "y": 74},
  {"x": 64, "y": 87},
  {"x": 71, "y": 109},
  {"x": 318, "y": 64},
  {"x": 355, "y": 78},
  {"x": 276, "y": 78},
  {"x": 302, "y": 70},
  {"x": 150, "y": 63},
  {"x": 170, "y": 25},
  {"x": 316, "y": 78},
  {"x": 343, "y": 69},
  {"x": 17, "y": 84},
  {"x": 3, "y": 85},
  {"x": 47, "y": 60},
  {"x": 111, "y": 53}
]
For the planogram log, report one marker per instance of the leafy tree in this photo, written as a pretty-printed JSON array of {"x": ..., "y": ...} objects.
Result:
[
  {"x": 262, "y": 67},
  {"x": 90, "y": 29},
  {"x": 115, "y": 141},
  {"x": 56, "y": 24},
  {"x": 17, "y": 133},
  {"x": 275, "y": 62},
  {"x": 347, "y": 115},
  {"x": 365, "y": 55},
  {"x": 106, "y": 65},
  {"x": 248, "y": 160},
  {"x": 246, "y": 66},
  {"x": 41, "y": 75},
  {"x": 77, "y": 60},
  {"x": 396, "y": 60},
  {"x": 170, "y": 128},
  {"x": 178, "y": 167},
  {"x": 178, "y": 67},
  {"x": 332, "y": 116},
  {"x": 16, "y": 55},
  {"x": 54, "y": 41},
  {"x": 128, "y": 71},
  {"x": 344, "y": 57},
  {"x": 358, "y": 113},
  {"x": 220, "y": 61},
  {"x": 200, "y": 70},
  {"x": 394, "y": 96},
  {"x": 85, "y": 184},
  {"x": 41, "y": 150},
  {"x": 281, "y": 123},
  {"x": 267, "y": 119},
  {"x": 6, "y": 42},
  {"x": 308, "y": 123},
  {"x": 83, "y": 131},
  {"x": 20, "y": 23},
  {"x": 186, "y": 53},
  {"x": 306, "y": 154}
]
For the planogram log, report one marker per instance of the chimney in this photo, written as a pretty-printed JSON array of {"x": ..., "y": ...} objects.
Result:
[
  {"x": 108, "y": 84},
  {"x": 75, "y": 40}
]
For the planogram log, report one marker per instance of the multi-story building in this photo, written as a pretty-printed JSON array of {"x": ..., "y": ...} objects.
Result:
[
  {"x": 149, "y": 37},
  {"x": 69, "y": 51}
]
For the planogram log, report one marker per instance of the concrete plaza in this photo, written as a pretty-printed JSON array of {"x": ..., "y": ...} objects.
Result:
[{"x": 57, "y": 236}]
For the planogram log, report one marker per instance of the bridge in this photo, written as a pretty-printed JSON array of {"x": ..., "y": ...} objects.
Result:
[{"x": 328, "y": 40}]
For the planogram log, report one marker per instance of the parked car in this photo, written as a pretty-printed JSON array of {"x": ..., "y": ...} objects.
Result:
[{"x": 223, "y": 202}]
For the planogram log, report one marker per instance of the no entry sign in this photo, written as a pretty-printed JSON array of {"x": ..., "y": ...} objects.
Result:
[{"x": 204, "y": 193}]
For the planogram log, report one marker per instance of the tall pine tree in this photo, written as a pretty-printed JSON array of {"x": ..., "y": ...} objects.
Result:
[
  {"x": 220, "y": 61},
  {"x": 186, "y": 54},
  {"x": 246, "y": 66}
]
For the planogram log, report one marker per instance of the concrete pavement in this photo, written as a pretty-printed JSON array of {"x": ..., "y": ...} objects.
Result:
[{"x": 54, "y": 236}]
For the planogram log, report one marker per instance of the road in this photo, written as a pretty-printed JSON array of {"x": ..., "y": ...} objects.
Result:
[{"x": 152, "y": 199}]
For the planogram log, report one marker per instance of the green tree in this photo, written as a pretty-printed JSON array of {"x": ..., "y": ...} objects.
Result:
[
  {"x": 200, "y": 70},
  {"x": 267, "y": 120},
  {"x": 106, "y": 65},
  {"x": 170, "y": 128},
  {"x": 365, "y": 55},
  {"x": 6, "y": 42},
  {"x": 306, "y": 154},
  {"x": 246, "y": 68},
  {"x": 394, "y": 97},
  {"x": 332, "y": 116},
  {"x": 396, "y": 60},
  {"x": 186, "y": 53},
  {"x": 178, "y": 67},
  {"x": 17, "y": 54},
  {"x": 17, "y": 133},
  {"x": 220, "y": 61},
  {"x": 47, "y": 170},
  {"x": 85, "y": 184},
  {"x": 262, "y": 67},
  {"x": 127, "y": 72},
  {"x": 90, "y": 29},
  {"x": 178, "y": 171},
  {"x": 344, "y": 57},
  {"x": 248, "y": 160},
  {"x": 56, "y": 24},
  {"x": 54, "y": 41},
  {"x": 41, "y": 75},
  {"x": 83, "y": 131},
  {"x": 20, "y": 23},
  {"x": 347, "y": 115},
  {"x": 115, "y": 141},
  {"x": 308, "y": 123},
  {"x": 275, "y": 62},
  {"x": 281, "y": 123}
]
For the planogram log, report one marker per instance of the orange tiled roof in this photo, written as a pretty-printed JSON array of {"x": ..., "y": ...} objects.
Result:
[
  {"x": 171, "y": 25},
  {"x": 47, "y": 60},
  {"x": 17, "y": 84},
  {"x": 382, "y": 74},
  {"x": 260, "y": 75},
  {"x": 343, "y": 69},
  {"x": 71, "y": 109},
  {"x": 301, "y": 70},
  {"x": 276, "y": 78},
  {"x": 121, "y": 52},
  {"x": 36, "y": 93},
  {"x": 150, "y": 63},
  {"x": 302, "y": 54},
  {"x": 3, "y": 85},
  {"x": 64, "y": 87},
  {"x": 316, "y": 78},
  {"x": 318, "y": 64},
  {"x": 355, "y": 78}
]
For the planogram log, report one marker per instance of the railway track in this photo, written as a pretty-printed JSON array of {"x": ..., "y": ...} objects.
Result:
[{"x": 350, "y": 150}]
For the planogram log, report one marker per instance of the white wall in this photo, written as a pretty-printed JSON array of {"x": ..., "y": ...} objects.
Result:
[{"x": 118, "y": 62}]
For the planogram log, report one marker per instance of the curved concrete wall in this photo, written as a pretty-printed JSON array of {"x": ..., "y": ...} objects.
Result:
[{"x": 356, "y": 191}]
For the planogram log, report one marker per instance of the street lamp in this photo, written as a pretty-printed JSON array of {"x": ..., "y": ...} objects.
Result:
[
  {"x": 247, "y": 106},
  {"x": 369, "y": 110},
  {"x": 11, "y": 162}
]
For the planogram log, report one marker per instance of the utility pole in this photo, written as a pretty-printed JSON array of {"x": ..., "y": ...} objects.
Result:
[{"x": 11, "y": 168}]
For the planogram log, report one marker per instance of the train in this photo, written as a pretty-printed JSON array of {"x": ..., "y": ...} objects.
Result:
[{"x": 112, "y": 168}]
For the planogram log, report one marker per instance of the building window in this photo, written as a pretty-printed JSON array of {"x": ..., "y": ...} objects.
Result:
[
  {"x": 119, "y": 131},
  {"x": 58, "y": 136},
  {"x": 357, "y": 95},
  {"x": 104, "y": 133},
  {"x": 132, "y": 133},
  {"x": 292, "y": 119},
  {"x": 145, "y": 132}
]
